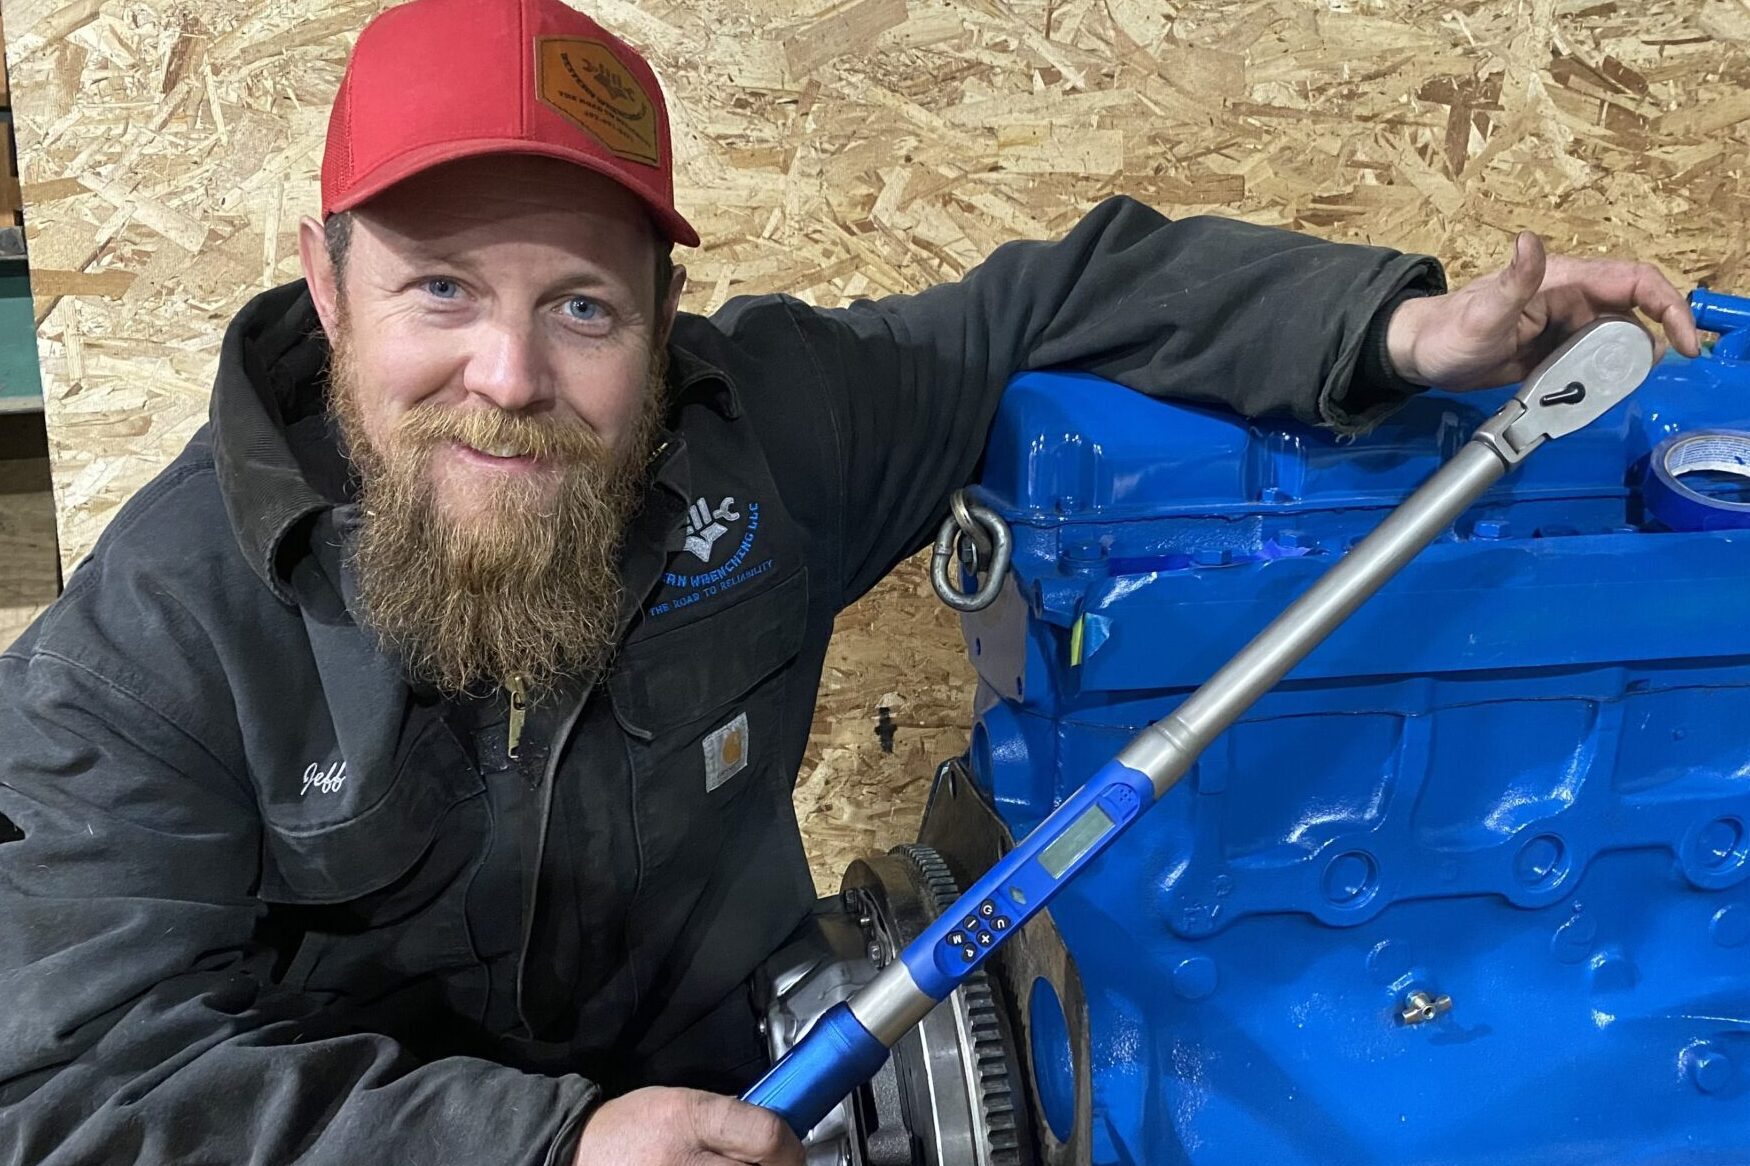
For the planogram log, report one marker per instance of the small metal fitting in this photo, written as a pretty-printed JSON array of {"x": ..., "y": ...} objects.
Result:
[{"x": 1420, "y": 1008}]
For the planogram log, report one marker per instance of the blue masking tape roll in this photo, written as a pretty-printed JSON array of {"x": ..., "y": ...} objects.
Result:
[{"x": 1680, "y": 506}]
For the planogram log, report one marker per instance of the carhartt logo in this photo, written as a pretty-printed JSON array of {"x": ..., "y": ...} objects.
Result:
[
  {"x": 726, "y": 752},
  {"x": 705, "y": 526},
  {"x": 324, "y": 781}
]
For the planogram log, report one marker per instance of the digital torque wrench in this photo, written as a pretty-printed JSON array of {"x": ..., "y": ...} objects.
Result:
[{"x": 1592, "y": 371}]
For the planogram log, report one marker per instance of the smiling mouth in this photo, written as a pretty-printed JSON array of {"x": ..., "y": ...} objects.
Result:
[{"x": 504, "y": 454}]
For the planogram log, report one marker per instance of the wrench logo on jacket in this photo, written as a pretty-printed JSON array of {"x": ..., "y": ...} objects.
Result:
[{"x": 705, "y": 526}]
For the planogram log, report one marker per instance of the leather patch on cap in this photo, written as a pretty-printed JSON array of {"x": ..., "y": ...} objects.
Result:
[{"x": 584, "y": 81}]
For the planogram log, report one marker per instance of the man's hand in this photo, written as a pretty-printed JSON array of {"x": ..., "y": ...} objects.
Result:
[
  {"x": 1495, "y": 330},
  {"x": 682, "y": 1127}
]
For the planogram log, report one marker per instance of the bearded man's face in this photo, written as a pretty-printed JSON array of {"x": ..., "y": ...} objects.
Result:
[{"x": 497, "y": 377}]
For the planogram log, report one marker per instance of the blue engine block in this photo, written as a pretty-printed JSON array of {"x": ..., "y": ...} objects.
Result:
[{"x": 1470, "y": 886}]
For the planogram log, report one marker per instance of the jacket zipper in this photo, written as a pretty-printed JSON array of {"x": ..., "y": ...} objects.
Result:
[
  {"x": 519, "y": 711},
  {"x": 549, "y": 775},
  {"x": 532, "y": 881}
]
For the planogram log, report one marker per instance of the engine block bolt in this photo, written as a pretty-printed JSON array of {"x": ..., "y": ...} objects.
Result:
[
  {"x": 1491, "y": 528},
  {"x": 1195, "y": 977},
  {"x": 1083, "y": 552},
  {"x": 1709, "y": 1068},
  {"x": 1419, "y": 1007}
]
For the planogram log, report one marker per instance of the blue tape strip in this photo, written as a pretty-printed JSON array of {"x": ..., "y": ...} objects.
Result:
[{"x": 1682, "y": 508}]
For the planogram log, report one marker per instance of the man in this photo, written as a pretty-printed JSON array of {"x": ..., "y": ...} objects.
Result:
[{"x": 406, "y": 775}]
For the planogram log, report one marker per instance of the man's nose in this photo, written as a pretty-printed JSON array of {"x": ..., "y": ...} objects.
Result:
[{"x": 509, "y": 368}]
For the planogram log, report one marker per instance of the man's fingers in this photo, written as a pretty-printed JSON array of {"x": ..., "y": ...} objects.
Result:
[
  {"x": 743, "y": 1132},
  {"x": 1621, "y": 286},
  {"x": 1523, "y": 276},
  {"x": 1679, "y": 323},
  {"x": 1656, "y": 296}
]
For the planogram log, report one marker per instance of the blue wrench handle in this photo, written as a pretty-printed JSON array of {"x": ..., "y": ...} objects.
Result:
[
  {"x": 832, "y": 1058},
  {"x": 840, "y": 1053}
]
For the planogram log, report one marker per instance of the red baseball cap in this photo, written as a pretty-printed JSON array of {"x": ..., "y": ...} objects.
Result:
[{"x": 430, "y": 81}]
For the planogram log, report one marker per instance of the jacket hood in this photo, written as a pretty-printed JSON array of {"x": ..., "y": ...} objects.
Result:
[{"x": 278, "y": 463}]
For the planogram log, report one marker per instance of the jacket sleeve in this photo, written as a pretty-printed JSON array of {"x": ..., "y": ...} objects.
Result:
[
  {"x": 1256, "y": 319},
  {"x": 140, "y": 1021}
]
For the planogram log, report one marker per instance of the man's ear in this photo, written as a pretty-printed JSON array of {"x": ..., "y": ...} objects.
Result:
[
  {"x": 319, "y": 273},
  {"x": 671, "y": 304}
]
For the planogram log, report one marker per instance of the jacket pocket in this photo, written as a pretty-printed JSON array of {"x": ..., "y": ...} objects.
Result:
[
  {"x": 706, "y": 708},
  {"x": 663, "y": 683},
  {"x": 372, "y": 908},
  {"x": 347, "y": 859}
]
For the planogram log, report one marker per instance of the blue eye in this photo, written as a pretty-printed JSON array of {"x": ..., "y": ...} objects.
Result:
[
  {"x": 443, "y": 289},
  {"x": 583, "y": 310}
]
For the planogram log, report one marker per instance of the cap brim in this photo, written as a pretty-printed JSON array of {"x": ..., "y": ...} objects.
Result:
[{"x": 405, "y": 166}]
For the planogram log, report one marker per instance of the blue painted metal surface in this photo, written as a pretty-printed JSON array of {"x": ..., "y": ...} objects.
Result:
[
  {"x": 1519, "y": 777},
  {"x": 1727, "y": 315}
]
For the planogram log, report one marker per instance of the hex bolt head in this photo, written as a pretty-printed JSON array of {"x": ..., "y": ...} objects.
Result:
[{"x": 1490, "y": 528}]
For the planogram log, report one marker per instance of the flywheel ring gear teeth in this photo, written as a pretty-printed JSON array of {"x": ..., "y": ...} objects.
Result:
[{"x": 998, "y": 1091}]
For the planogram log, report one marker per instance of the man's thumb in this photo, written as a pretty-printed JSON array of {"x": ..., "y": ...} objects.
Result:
[{"x": 1522, "y": 278}]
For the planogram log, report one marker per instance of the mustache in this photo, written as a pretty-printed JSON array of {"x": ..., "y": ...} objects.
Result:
[{"x": 425, "y": 426}]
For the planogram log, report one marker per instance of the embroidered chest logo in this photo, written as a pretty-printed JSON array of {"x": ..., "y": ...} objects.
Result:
[
  {"x": 732, "y": 525},
  {"x": 705, "y": 526},
  {"x": 323, "y": 781},
  {"x": 726, "y": 752}
]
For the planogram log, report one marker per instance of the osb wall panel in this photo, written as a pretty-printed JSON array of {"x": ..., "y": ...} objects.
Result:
[{"x": 874, "y": 147}]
